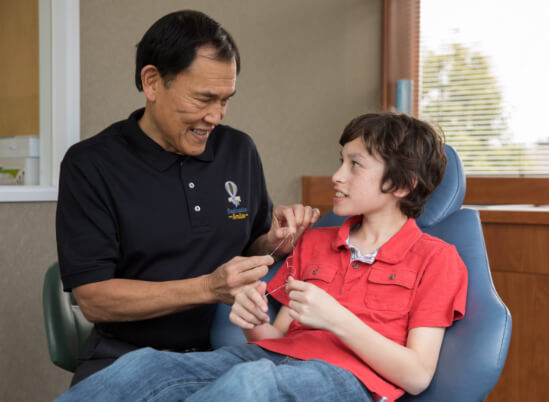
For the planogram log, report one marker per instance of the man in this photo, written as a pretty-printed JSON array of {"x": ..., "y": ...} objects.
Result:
[{"x": 156, "y": 211}]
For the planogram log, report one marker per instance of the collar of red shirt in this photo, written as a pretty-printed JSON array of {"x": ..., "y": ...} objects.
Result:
[{"x": 394, "y": 250}]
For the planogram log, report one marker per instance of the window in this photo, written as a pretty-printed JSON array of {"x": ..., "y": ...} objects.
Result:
[
  {"x": 485, "y": 83},
  {"x": 59, "y": 96},
  {"x": 514, "y": 150}
]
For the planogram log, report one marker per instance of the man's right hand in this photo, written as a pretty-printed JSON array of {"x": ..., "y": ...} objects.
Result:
[
  {"x": 129, "y": 300},
  {"x": 227, "y": 280}
]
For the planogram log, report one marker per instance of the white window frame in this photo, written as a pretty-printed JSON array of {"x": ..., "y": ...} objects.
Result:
[{"x": 59, "y": 44}]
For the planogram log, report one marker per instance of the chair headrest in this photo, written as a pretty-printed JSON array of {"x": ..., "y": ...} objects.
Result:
[{"x": 448, "y": 196}]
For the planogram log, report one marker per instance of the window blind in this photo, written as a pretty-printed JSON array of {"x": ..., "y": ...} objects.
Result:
[{"x": 483, "y": 80}]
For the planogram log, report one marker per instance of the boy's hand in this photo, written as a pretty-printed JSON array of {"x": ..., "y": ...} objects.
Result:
[
  {"x": 314, "y": 307},
  {"x": 250, "y": 306}
]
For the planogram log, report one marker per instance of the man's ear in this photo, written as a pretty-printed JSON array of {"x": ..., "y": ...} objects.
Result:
[{"x": 151, "y": 82}]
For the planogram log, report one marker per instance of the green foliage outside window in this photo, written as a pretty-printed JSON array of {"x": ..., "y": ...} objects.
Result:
[{"x": 459, "y": 92}]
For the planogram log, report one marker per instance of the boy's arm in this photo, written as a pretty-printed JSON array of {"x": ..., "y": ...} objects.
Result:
[
  {"x": 266, "y": 331},
  {"x": 249, "y": 312},
  {"x": 410, "y": 367}
]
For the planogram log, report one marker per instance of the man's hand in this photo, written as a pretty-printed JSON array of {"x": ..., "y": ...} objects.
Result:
[
  {"x": 250, "y": 307},
  {"x": 289, "y": 223},
  {"x": 311, "y": 306},
  {"x": 227, "y": 280}
]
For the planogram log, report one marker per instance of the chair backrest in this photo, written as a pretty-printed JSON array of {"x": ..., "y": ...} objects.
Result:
[
  {"x": 66, "y": 327},
  {"x": 475, "y": 348}
]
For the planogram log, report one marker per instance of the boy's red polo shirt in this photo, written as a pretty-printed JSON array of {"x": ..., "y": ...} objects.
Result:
[{"x": 416, "y": 280}]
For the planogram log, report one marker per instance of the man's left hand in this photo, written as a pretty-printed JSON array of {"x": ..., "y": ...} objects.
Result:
[{"x": 289, "y": 223}]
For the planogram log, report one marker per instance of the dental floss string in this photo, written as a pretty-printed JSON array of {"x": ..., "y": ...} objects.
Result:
[
  {"x": 281, "y": 243},
  {"x": 289, "y": 265}
]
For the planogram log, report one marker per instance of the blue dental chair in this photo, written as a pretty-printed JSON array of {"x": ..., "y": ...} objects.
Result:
[{"x": 475, "y": 348}]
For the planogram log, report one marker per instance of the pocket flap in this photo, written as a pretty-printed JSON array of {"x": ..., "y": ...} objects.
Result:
[
  {"x": 319, "y": 272},
  {"x": 386, "y": 276}
]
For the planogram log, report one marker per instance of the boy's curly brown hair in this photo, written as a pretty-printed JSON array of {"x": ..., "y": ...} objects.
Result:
[{"x": 412, "y": 150}]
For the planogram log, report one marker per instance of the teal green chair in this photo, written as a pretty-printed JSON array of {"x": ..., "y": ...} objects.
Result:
[{"x": 66, "y": 327}]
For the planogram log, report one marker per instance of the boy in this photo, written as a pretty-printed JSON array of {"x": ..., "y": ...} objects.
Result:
[{"x": 364, "y": 305}]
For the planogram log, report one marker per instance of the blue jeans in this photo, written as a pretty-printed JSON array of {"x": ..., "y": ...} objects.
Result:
[{"x": 234, "y": 373}]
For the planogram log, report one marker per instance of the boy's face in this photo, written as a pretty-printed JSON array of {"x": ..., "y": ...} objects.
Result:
[{"x": 357, "y": 184}]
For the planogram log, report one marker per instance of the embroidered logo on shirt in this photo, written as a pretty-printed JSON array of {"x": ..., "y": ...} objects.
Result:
[
  {"x": 232, "y": 190},
  {"x": 234, "y": 198}
]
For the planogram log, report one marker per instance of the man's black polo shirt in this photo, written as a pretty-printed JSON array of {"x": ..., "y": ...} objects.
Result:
[{"x": 129, "y": 209}]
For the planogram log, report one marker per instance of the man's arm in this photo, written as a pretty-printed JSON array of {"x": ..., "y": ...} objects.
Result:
[
  {"x": 288, "y": 224},
  {"x": 130, "y": 300}
]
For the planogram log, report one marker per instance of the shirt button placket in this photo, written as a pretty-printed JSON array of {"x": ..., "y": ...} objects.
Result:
[{"x": 191, "y": 185}]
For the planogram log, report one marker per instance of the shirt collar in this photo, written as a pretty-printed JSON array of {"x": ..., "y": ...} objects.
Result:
[
  {"x": 152, "y": 152},
  {"x": 394, "y": 250}
]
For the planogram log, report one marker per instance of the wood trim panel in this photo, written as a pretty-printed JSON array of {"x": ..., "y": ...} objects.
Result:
[
  {"x": 507, "y": 190},
  {"x": 385, "y": 55},
  {"x": 400, "y": 49},
  {"x": 318, "y": 192},
  {"x": 524, "y": 376},
  {"x": 523, "y": 216},
  {"x": 517, "y": 247},
  {"x": 19, "y": 80},
  {"x": 518, "y": 254}
]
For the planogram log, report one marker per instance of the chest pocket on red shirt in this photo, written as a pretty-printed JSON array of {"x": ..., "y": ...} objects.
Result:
[
  {"x": 321, "y": 275},
  {"x": 389, "y": 290}
]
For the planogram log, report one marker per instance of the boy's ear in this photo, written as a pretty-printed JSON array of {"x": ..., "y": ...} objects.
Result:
[
  {"x": 151, "y": 81},
  {"x": 403, "y": 192}
]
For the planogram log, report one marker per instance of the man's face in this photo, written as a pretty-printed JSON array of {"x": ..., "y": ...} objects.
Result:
[{"x": 186, "y": 109}]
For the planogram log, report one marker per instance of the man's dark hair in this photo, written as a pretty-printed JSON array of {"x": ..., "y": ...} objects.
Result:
[
  {"x": 412, "y": 150},
  {"x": 171, "y": 43}
]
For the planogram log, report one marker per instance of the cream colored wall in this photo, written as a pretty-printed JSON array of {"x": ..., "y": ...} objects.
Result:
[
  {"x": 27, "y": 248},
  {"x": 308, "y": 67}
]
